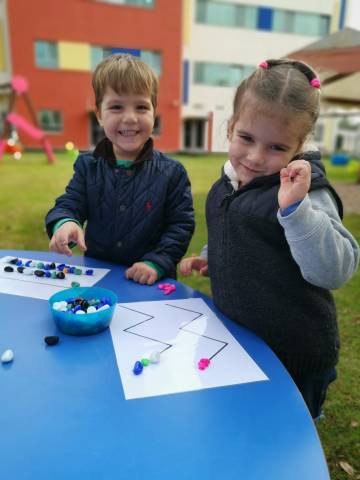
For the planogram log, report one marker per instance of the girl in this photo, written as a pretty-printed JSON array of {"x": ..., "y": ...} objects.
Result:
[{"x": 276, "y": 244}]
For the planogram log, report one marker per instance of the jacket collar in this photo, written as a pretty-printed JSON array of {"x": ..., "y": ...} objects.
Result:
[{"x": 104, "y": 149}]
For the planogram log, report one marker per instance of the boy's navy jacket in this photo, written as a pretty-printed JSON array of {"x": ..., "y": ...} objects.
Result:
[{"x": 136, "y": 214}]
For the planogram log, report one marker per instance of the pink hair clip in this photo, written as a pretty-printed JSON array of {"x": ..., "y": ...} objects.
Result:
[
  {"x": 264, "y": 65},
  {"x": 315, "y": 82}
]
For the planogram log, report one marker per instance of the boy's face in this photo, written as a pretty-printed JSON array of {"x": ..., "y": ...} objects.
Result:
[
  {"x": 128, "y": 121},
  {"x": 262, "y": 143}
]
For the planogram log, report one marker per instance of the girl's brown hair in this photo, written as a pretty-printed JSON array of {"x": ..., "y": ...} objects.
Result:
[
  {"x": 284, "y": 83},
  {"x": 125, "y": 74}
]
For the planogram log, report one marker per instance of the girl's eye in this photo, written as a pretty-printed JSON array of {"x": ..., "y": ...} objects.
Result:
[{"x": 278, "y": 148}]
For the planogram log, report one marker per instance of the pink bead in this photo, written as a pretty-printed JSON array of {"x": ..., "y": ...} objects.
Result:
[
  {"x": 203, "y": 363},
  {"x": 264, "y": 65}
]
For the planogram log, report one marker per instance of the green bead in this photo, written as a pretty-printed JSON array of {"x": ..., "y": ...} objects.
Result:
[
  {"x": 78, "y": 271},
  {"x": 40, "y": 265},
  {"x": 53, "y": 274},
  {"x": 75, "y": 284},
  {"x": 145, "y": 362}
]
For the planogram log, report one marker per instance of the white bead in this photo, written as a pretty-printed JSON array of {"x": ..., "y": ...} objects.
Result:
[
  {"x": 104, "y": 307},
  {"x": 154, "y": 357},
  {"x": 80, "y": 312},
  {"x": 91, "y": 309},
  {"x": 7, "y": 356},
  {"x": 28, "y": 271},
  {"x": 56, "y": 305}
]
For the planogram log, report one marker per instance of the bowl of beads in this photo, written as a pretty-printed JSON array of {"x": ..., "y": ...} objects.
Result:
[{"x": 83, "y": 310}]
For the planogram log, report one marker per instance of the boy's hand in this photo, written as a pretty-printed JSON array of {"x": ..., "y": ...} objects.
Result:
[
  {"x": 142, "y": 273},
  {"x": 67, "y": 233},
  {"x": 295, "y": 182},
  {"x": 187, "y": 265}
]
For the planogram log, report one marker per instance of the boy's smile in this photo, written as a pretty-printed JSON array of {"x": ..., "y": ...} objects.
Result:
[
  {"x": 128, "y": 121},
  {"x": 261, "y": 142}
]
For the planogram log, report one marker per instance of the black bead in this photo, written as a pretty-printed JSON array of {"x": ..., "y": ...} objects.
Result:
[
  {"x": 39, "y": 273},
  {"x": 8, "y": 269},
  {"x": 14, "y": 261},
  {"x": 60, "y": 275},
  {"x": 51, "y": 340},
  {"x": 20, "y": 269},
  {"x": 52, "y": 266}
]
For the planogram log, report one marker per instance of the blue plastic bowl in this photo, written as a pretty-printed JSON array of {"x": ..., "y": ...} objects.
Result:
[{"x": 86, "y": 324}]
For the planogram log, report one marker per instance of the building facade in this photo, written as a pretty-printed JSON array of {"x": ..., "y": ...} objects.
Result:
[
  {"x": 224, "y": 40},
  {"x": 56, "y": 45}
]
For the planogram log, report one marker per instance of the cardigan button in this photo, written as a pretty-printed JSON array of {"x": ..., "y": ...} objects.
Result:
[
  {"x": 119, "y": 244},
  {"x": 122, "y": 208}
]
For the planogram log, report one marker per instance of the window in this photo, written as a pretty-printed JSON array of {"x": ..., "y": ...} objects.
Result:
[
  {"x": 220, "y": 74},
  {"x": 226, "y": 14},
  {"x": 46, "y": 54},
  {"x": 301, "y": 23},
  {"x": 153, "y": 59},
  {"x": 50, "y": 120},
  {"x": 135, "y": 3},
  {"x": 157, "y": 126}
]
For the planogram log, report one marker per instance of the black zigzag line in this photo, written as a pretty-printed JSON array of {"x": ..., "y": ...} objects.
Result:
[
  {"x": 199, "y": 314},
  {"x": 150, "y": 317}
]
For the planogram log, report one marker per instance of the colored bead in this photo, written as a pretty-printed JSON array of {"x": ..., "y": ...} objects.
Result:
[
  {"x": 7, "y": 356},
  {"x": 89, "y": 272},
  {"x": 77, "y": 271},
  {"x": 28, "y": 263},
  {"x": 28, "y": 271},
  {"x": 203, "y": 363},
  {"x": 75, "y": 284},
  {"x": 138, "y": 368},
  {"x": 154, "y": 357},
  {"x": 53, "y": 274},
  {"x": 40, "y": 265},
  {"x": 60, "y": 275},
  {"x": 61, "y": 266},
  {"x": 145, "y": 362},
  {"x": 19, "y": 263},
  {"x": 8, "y": 269},
  {"x": 51, "y": 340},
  {"x": 47, "y": 274},
  {"x": 71, "y": 269},
  {"x": 77, "y": 308},
  {"x": 65, "y": 270},
  {"x": 39, "y": 273}
]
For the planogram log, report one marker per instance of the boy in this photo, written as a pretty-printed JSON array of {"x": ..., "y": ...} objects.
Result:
[{"x": 136, "y": 201}]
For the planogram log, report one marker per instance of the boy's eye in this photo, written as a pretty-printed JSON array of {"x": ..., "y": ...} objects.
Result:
[
  {"x": 115, "y": 107},
  {"x": 245, "y": 138},
  {"x": 143, "y": 107}
]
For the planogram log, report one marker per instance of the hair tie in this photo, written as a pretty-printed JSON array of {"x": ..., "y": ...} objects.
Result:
[
  {"x": 264, "y": 65},
  {"x": 315, "y": 82}
]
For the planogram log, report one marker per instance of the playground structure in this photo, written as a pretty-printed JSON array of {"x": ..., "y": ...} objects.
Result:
[{"x": 15, "y": 123}]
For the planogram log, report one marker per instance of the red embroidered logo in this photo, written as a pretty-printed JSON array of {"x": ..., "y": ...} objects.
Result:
[{"x": 148, "y": 205}]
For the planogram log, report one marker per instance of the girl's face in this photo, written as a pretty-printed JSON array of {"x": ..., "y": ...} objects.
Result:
[
  {"x": 261, "y": 141},
  {"x": 128, "y": 121}
]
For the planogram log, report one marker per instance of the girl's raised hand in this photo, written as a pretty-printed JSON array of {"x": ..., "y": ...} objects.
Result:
[{"x": 295, "y": 182}]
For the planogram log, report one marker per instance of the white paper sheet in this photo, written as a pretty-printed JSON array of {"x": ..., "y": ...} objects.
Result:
[
  {"x": 184, "y": 331},
  {"x": 15, "y": 283}
]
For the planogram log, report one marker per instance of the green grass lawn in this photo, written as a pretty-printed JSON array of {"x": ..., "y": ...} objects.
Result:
[{"x": 28, "y": 188}]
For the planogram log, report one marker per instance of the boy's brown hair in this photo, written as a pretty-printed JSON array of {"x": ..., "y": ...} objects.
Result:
[{"x": 125, "y": 74}]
